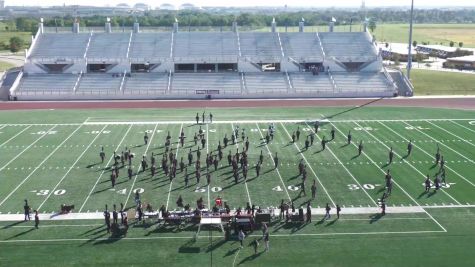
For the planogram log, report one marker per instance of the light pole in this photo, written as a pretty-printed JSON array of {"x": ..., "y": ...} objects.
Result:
[{"x": 409, "y": 57}]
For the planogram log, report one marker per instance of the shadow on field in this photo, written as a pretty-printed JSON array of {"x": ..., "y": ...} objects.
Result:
[{"x": 251, "y": 258}]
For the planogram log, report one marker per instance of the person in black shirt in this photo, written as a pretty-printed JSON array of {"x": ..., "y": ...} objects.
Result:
[
  {"x": 276, "y": 161},
  {"x": 102, "y": 154},
  {"x": 107, "y": 219},
  {"x": 37, "y": 219},
  {"x": 309, "y": 213},
  {"x": 427, "y": 183},
  {"x": 115, "y": 215},
  {"x": 360, "y": 148},
  {"x": 391, "y": 155},
  {"x": 197, "y": 119},
  {"x": 210, "y": 117},
  {"x": 327, "y": 212},
  {"x": 338, "y": 210},
  {"x": 298, "y": 133},
  {"x": 333, "y": 133},
  {"x": 27, "y": 209},
  {"x": 409, "y": 148},
  {"x": 349, "y": 137}
]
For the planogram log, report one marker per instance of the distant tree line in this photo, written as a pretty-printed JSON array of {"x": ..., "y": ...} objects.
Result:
[{"x": 255, "y": 19}]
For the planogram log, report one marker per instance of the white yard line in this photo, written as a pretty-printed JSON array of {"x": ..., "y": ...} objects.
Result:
[
  {"x": 460, "y": 138},
  {"x": 13, "y": 137},
  {"x": 394, "y": 180},
  {"x": 207, "y": 151},
  {"x": 104, "y": 169},
  {"x": 19, "y": 154},
  {"x": 39, "y": 165},
  {"x": 273, "y": 162},
  {"x": 207, "y": 237},
  {"x": 408, "y": 163},
  {"x": 176, "y": 155},
  {"x": 448, "y": 167},
  {"x": 138, "y": 169},
  {"x": 344, "y": 167},
  {"x": 471, "y": 130},
  {"x": 310, "y": 166},
  {"x": 245, "y": 181},
  {"x": 235, "y": 257},
  {"x": 71, "y": 168},
  {"x": 470, "y": 160}
]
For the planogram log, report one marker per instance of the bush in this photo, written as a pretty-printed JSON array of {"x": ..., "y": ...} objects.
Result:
[{"x": 16, "y": 44}]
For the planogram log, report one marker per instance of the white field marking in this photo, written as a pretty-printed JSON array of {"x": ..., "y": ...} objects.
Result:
[
  {"x": 428, "y": 154},
  {"x": 207, "y": 151},
  {"x": 176, "y": 155},
  {"x": 470, "y": 160},
  {"x": 451, "y": 133},
  {"x": 52, "y": 225},
  {"x": 39, "y": 165},
  {"x": 412, "y": 166},
  {"x": 138, "y": 169},
  {"x": 245, "y": 182},
  {"x": 352, "y": 176},
  {"x": 386, "y": 219},
  {"x": 71, "y": 168},
  {"x": 272, "y": 158},
  {"x": 20, "y": 132},
  {"x": 104, "y": 169},
  {"x": 462, "y": 126},
  {"x": 315, "y": 212},
  {"x": 19, "y": 154},
  {"x": 207, "y": 236},
  {"x": 400, "y": 187},
  {"x": 256, "y": 121},
  {"x": 310, "y": 166},
  {"x": 235, "y": 257}
]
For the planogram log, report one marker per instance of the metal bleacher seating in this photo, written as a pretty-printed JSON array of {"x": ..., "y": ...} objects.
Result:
[
  {"x": 260, "y": 46},
  {"x": 307, "y": 83},
  {"x": 361, "y": 82},
  {"x": 101, "y": 84},
  {"x": 152, "y": 47},
  {"x": 302, "y": 46},
  {"x": 47, "y": 84},
  {"x": 146, "y": 83},
  {"x": 348, "y": 46},
  {"x": 266, "y": 83},
  {"x": 188, "y": 83},
  {"x": 60, "y": 46},
  {"x": 108, "y": 46},
  {"x": 205, "y": 47}
]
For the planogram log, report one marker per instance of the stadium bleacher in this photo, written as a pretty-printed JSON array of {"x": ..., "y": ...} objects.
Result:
[
  {"x": 60, "y": 46},
  {"x": 268, "y": 83},
  {"x": 108, "y": 46},
  {"x": 47, "y": 84},
  {"x": 152, "y": 47},
  {"x": 146, "y": 83},
  {"x": 131, "y": 65},
  {"x": 188, "y": 83}
]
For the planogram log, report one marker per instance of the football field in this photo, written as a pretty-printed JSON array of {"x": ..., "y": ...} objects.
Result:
[{"x": 51, "y": 157}]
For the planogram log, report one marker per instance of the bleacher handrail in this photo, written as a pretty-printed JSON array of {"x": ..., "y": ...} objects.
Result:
[
  {"x": 33, "y": 44},
  {"x": 76, "y": 85},
  {"x": 16, "y": 83}
]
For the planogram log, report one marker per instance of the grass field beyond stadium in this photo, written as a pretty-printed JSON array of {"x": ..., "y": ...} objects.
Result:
[{"x": 51, "y": 157}]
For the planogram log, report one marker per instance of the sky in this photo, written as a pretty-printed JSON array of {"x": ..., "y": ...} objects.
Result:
[{"x": 290, "y": 3}]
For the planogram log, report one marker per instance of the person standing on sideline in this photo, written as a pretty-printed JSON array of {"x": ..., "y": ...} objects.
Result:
[
  {"x": 309, "y": 213},
  {"x": 37, "y": 219},
  {"x": 107, "y": 219},
  {"x": 338, "y": 209},
  {"x": 266, "y": 241},
  {"x": 241, "y": 237},
  {"x": 210, "y": 117},
  {"x": 327, "y": 212},
  {"x": 27, "y": 209}
]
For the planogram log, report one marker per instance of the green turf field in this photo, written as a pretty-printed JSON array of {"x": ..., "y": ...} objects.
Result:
[
  {"x": 428, "y": 82},
  {"x": 51, "y": 157}
]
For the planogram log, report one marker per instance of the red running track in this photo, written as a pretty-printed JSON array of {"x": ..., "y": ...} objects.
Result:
[{"x": 453, "y": 103}]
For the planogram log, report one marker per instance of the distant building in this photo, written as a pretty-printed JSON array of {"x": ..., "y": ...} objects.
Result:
[
  {"x": 188, "y": 6},
  {"x": 2, "y": 4},
  {"x": 400, "y": 52},
  {"x": 442, "y": 51},
  {"x": 462, "y": 63},
  {"x": 142, "y": 6},
  {"x": 167, "y": 6}
]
